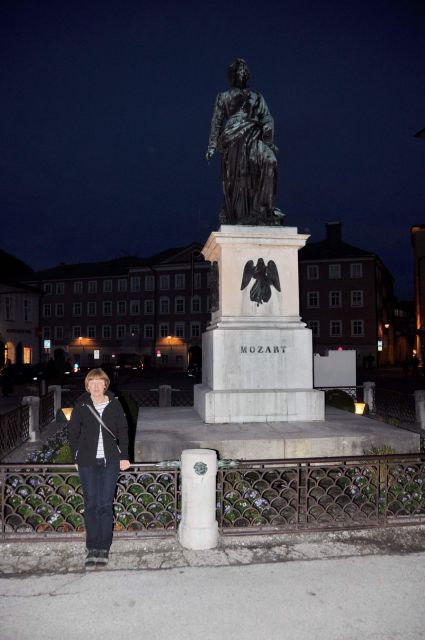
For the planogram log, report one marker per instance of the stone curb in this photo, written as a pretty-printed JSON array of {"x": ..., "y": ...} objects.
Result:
[{"x": 45, "y": 557}]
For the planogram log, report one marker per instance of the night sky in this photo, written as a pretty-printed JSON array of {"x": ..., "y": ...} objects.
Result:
[{"x": 105, "y": 111}]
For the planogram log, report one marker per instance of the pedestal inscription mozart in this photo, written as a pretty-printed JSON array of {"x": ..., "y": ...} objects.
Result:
[{"x": 242, "y": 130}]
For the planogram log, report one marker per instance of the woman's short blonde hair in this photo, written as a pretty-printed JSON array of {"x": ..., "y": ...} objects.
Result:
[{"x": 96, "y": 373}]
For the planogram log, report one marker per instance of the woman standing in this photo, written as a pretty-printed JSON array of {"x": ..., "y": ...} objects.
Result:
[{"x": 98, "y": 437}]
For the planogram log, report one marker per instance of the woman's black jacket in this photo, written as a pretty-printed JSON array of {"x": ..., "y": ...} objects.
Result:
[{"x": 84, "y": 431}]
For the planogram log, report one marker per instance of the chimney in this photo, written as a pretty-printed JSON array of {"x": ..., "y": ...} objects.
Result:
[{"x": 333, "y": 232}]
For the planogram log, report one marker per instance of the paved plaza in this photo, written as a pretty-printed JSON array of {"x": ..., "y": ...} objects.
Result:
[{"x": 342, "y": 586}]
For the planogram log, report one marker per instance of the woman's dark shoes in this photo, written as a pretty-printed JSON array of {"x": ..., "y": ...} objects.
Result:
[
  {"x": 102, "y": 557},
  {"x": 91, "y": 559}
]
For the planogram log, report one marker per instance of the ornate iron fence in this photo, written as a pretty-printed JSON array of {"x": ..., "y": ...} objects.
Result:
[
  {"x": 393, "y": 404},
  {"x": 144, "y": 397},
  {"x": 182, "y": 397},
  {"x": 47, "y": 409},
  {"x": 355, "y": 393},
  {"x": 47, "y": 500},
  {"x": 323, "y": 493},
  {"x": 14, "y": 429},
  {"x": 258, "y": 496}
]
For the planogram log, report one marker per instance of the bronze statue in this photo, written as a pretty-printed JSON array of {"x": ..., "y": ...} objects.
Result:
[
  {"x": 242, "y": 130},
  {"x": 264, "y": 276}
]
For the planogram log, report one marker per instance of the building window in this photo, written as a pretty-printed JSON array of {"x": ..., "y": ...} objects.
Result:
[
  {"x": 60, "y": 288},
  {"x": 135, "y": 283},
  {"x": 91, "y": 331},
  {"x": 47, "y": 288},
  {"x": 312, "y": 272},
  {"x": 107, "y": 286},
  {"x": 164, "y": 282},
  {"x": 134, "y": 307},
  {"x": 356, "y": 270},
  {"x": 197, "y": 280},
  {"x": 149, "y": 307},
  {"x": 335, "y": 298},
  {"x": 27, "y": 310},
  {"x": 313, "y": 299},
  {"x": 121, "y": 307},
  {"x": 179, "y": 329},
  {"x": 149, "y": 283},
  {"x": 92, "y": 286},
  {"x": 134, "y": 329},
  {"x": 76, "y": 309},
  {"x": 78, "y": 287},
  {"x": 196, "y": 304},
  {"x": 91, "y": 308},
  {"x": 357, "y": 328},
  {"x": 335, "y": 328},
  {"x": 122, "y": 284},
  {"x": 46, "y": 333},
  {"x": 334, "y": 271},
  {"x": 106, "y": 332},
  {"x": 76, "y": 332},
  {"x": 314, "y": 325},
  {"x": 148, "y": 331},
  {"x": 107, "y": 308},
  {"x": 59, "y": 333},
  {"x": 59, "y": 309},
  {"x": 179, "y": 304},
  {"x": 164, "y": 330},
  {"x": 179, "y": 281},
  {"x": 9, "y": 307},
  {"x": 357, "y": 298},
  {"x": 164, "y": 305},
  {"x": 47, "y": 310},
  {"x": 195, "y": 329},
  {"x": 121, "y": 330}
]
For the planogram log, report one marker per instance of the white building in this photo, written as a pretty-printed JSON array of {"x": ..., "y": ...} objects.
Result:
[{"x": 19, "y": 323}]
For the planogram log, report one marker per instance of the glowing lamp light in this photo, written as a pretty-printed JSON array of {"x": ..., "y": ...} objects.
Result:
[
  {"x": 67, "y": 412},
  {"x": 359, "y": 408}
]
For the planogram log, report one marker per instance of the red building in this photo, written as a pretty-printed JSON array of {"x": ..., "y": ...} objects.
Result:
[
  {"x": 127, "y": 311},
  {"x": 346, "y": 298}
]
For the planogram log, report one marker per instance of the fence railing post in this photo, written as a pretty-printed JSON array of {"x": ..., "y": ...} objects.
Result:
[
  {"x": 420, "y": 408},
  {"x": 165, "y": 395},
  {"x": 34, "y": 418},
  {"x": 57, "y": 396},
  {"x": 199, "y": 527},
  {"x": 369, "y": 395}
]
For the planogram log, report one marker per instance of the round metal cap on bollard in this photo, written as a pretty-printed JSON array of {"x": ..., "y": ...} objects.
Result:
[{"x": 198, "y": 528}]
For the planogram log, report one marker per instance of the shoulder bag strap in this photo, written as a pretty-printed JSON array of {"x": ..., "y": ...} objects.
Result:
[{"x": 96, "y": 415}]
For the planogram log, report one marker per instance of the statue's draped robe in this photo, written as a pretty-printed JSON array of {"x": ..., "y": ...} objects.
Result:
[{"x": 242, "y": 130}]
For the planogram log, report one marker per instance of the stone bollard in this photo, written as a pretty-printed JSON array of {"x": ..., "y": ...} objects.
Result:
[
  {"x": 369, "y": 395},
  {"x": 165, "y": 395},
  {"x": 57, "y": 397},
  {"x": 199, "y": 527},
  {"x": 420, "y": 408},
  {"x": 34, "y": 406}
]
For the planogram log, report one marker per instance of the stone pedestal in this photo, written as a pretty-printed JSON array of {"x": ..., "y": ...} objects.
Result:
[{"x": 257, "y": 356}]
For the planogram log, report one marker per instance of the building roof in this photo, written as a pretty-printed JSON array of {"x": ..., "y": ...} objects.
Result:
[
  {"x": 332, "y": 247},
  {"x": 12, "y": 267},
  {"x": 116, "y": 267},
  {"x": 17, "y": 286}
]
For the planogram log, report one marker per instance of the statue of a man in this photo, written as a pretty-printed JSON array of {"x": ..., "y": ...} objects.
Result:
[{"x": 242, "y": 130}]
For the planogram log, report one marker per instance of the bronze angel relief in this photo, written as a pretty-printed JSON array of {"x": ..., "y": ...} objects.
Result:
[{"x": 264, "y": 276}]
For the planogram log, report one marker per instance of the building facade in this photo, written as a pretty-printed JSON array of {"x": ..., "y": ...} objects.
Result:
[
  {"x": 129, "y": 312},
  {"x": 346, "y": 299},
  {"x": 19, "y": 323}
]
